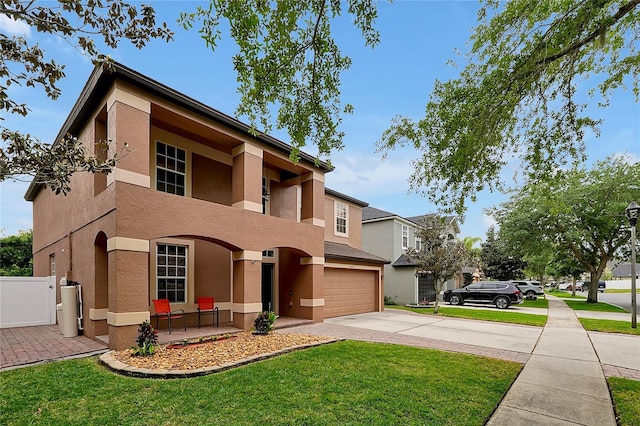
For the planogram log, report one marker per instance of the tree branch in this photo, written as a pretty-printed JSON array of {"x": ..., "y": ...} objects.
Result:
[{"x": 622, "y": 11}]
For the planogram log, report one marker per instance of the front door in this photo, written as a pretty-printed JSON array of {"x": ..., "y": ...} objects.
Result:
[{"x": 267, "y": 287}]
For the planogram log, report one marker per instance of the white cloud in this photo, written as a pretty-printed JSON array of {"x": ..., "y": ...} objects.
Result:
[
  {"x": 367, "y": 175},
  {"x": 629, "y": 157},
  {"x": 488, "y": 221},
  {"x": 14, "y": 27}
]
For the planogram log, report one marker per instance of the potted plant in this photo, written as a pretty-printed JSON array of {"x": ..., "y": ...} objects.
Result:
[{"x": 264, "y": 322}]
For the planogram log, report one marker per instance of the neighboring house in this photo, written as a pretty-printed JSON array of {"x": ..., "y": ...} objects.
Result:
[
  {"x": 389, "y": 236},
  {"x": 198, "y": 207},
  {"x": 623, "y": 270}
]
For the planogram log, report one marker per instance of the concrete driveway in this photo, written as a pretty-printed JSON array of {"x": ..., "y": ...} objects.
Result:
[{"x": 519, "y": 338}]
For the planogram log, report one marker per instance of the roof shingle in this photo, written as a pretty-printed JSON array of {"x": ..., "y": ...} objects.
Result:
[{"x": 339, "y": 251}]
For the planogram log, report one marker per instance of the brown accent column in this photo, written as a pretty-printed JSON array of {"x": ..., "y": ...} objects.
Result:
[
  {"x": 312, "y": 200},
  {"x": 316, "y": 290},
  {"x": 127, "y": 124},
  {"x": 247, "y": 292},
  {"x": 247, "y": 178},
  {"x": 128, "y": 293}
]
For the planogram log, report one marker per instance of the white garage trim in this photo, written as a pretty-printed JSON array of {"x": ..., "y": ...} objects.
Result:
[
  {"x": 352, "y": 266},
  {"x": 311, "y": 303}
]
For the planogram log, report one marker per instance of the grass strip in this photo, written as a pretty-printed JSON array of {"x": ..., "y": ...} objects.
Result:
[
  {"x": 620, "y": 290},
  {"x": 482, "y": 314},
  {"x": 626, "y": 399},
  {"x": 538, "y": 303},
  {"x": 582, "y": 305},
  {"x": 566, "y": 295},
  {"x": 342, "y": 383},
  {"x": 609, "y": 326}
]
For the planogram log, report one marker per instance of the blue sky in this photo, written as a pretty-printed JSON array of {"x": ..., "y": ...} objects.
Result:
[{"x": 394, "y": 78}]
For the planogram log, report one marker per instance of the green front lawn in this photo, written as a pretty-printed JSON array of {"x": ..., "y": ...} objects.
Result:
[
  {"x": 609, "y": 326},
  {"x": 538, "y": 303},
  {"x": 582, "y": 305},
  {"x": 626, "y": 396},
  {"x": 482, "y": 314},
  {"x": 341, "y": 383}
]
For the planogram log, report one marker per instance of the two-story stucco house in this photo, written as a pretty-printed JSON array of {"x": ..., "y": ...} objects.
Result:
[
  {"x": 389, "y": 236},
  {"x": 198, "y": 207}
]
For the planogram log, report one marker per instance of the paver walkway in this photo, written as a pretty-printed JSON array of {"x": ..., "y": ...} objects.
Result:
[
  {"x": 562, "y": 383},
  {"x": 31, "y": 345}
]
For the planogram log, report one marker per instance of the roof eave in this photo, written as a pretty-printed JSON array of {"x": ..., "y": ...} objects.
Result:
[
  {"x": 345, "y": 197},
  {"x": 358, "y": 259}
]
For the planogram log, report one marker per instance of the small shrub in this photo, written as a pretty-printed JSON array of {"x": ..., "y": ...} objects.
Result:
[
  {"x": 388, "y": 300},
  {"x": 146, "y": 340},
  {"x": 264, "y": 322}
]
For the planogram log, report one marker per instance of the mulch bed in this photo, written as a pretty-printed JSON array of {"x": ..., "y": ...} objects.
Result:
[{"x": 216, "y": 353}]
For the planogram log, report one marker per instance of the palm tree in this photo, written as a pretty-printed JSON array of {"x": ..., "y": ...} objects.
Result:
[{"x": 474, "y": 253}]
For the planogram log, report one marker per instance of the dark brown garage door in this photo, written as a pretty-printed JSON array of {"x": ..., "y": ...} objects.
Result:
[{"x": 349, "y": 292}]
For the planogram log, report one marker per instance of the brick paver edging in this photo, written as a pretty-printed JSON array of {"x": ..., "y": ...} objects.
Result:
[
  {"x": 121, "y": 368},
  {"x": 615, "y": 371}
]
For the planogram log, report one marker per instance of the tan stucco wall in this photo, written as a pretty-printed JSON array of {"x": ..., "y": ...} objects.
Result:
[
  {"x": 145, "y": 214},
  {"x": 354, "y": 223},
  {"x": 211, "y": 180},
  {"x": 55, "y": 216},
  {"x": 283, "y": 201}
]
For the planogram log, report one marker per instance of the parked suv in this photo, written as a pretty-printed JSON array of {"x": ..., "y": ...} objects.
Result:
[
  {"x": 602, "y": 286},
  {"x": 501, "y": 293},
  {"x": 529, "y": 288}
]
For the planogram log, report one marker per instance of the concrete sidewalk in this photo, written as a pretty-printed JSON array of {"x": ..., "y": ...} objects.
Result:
[{"x": 563, "y": 381}]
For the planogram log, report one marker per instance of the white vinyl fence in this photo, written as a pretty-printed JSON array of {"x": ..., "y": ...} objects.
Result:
[
  {"x": 27, "y": 301},
  {"x": 620, "y": 284}
]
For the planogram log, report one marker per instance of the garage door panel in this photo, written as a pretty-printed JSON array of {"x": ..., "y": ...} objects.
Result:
[{"x": 348, "y": 292}]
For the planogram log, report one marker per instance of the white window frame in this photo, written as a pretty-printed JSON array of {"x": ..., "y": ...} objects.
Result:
[
  {"x": 341, "y": 214},
  {"x": 166, "y": 266},
  {"x": 405, "y": 236},
  {"x": 418, "y": 243},
  {"x": 271, "y": 253},
  {"x": 52, "y": 265},
  {"x": 167, "y": 169}
]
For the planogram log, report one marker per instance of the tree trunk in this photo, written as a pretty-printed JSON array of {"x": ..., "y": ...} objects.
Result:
[
  {"x": 436, "y": 304},
  {"x": 592, "y": 297}
]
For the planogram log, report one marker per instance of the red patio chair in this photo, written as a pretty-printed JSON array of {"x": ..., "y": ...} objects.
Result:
[
  {"x": 163, "y": 311},
  {"x": 206, "y": 305}
]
